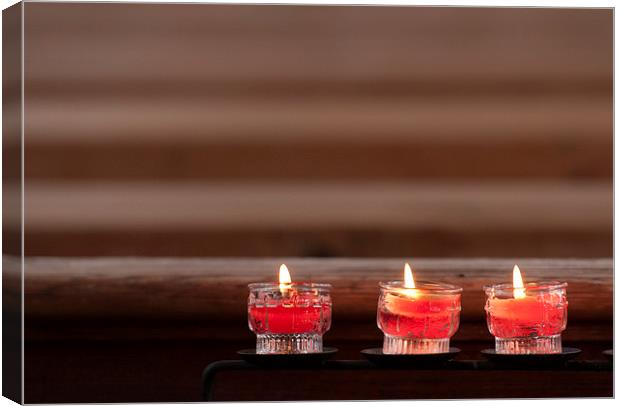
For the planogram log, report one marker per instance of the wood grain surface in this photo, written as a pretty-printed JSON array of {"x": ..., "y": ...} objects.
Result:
[{"x": 139, "y": 295}]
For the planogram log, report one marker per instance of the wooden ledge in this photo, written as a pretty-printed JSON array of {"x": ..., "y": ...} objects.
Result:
[{"x": 150, "y": 296}]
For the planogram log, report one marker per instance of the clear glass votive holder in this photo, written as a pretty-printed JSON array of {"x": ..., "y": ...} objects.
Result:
[
  {"x": 289, "y": 319},
  {"x": 530, "y": 322},
  {"x": 419, "y": 320}
]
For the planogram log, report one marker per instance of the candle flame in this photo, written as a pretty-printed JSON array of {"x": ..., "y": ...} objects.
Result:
[
  {"x": 284, "y": 278},
  {"x": 517, "y": 283},
  {"x": 409, "y": 282}
]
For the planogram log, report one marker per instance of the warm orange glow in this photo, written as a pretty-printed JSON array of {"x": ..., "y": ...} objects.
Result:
[
  {"x": 285, "y": 278},
  {"x": 409, "y": 282},
  {"x": 517, "y": 283}
]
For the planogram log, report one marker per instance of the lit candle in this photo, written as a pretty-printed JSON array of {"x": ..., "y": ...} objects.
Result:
[
  {"x": 289, "y": 317},
  {"x": 527, "y": 318},
  {"x": 417, "y": 317}
]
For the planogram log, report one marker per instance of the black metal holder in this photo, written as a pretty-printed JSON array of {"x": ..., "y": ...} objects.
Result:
[
  {"x": 485, "y": 370},
  {"x": 531, "y": 360},
  {"x": 284, "y": 360},
  {"x": 377, "y": 357}
]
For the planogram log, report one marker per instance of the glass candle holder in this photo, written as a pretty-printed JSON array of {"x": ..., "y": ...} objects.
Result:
[
  {"x": 419, "y": 320},
  {"x": 290, "y": 319},
  {"x": 528, "y": 323}
]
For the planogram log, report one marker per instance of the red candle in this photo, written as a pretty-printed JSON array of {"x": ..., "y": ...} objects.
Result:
[
  {"x": 424, "y": 317},
  {"x": 289, "y": 317},
  {"x": 533, "y": 315},
  {"x": 301, "y": 312},
  {"x": 418, "y": 317},
  {"x": 527, "y": 319}
]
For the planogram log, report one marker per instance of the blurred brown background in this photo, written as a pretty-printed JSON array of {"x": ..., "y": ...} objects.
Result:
[
  {"x": 295, "y": 131},
  {"x": 190, "y": 130}
]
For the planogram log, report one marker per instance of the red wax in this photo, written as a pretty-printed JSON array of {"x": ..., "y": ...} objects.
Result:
[
  {"x": 295, "y": 314},
  {"x": 420, "y": 317},
  {"x": 535, "y": 316}
]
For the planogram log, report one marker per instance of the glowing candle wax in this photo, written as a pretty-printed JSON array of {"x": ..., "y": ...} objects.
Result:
[
  {"x": 289, "y": 317},
  {"x": 527, "y": 318},
  {"x": 418, "y": 317}
]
